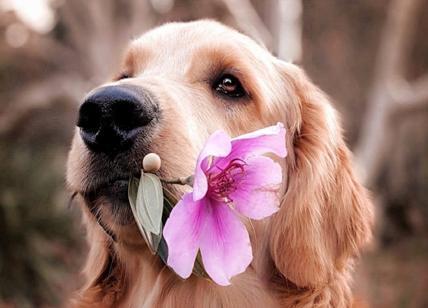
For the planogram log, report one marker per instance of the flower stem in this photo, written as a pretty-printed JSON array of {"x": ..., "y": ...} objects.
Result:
[{"x": 179, "y": 181}]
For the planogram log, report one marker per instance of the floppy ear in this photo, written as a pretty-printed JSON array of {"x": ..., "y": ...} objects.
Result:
[{"x": 326, "y": 215}]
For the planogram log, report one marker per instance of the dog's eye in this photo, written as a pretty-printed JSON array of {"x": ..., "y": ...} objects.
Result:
[
  {"x": 123, "y": 76},
  {"x": 228, "y": 85}
]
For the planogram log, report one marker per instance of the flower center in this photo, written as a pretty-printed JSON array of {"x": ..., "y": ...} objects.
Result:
[{"x": 222, "y": 184}]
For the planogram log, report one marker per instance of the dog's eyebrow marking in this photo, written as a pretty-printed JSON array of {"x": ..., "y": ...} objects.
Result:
[
  {"x": 135, "y": 59},
  {"x": 224, "y": 59}
]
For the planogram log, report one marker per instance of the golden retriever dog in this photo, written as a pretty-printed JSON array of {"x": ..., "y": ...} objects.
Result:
[{"x": 178, "y": 84}]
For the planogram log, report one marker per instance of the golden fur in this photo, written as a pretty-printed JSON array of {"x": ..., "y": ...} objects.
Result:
[{"x": 304, "y": 254}]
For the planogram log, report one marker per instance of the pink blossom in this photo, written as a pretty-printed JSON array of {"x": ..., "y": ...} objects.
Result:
[{"x": 232, "y": 180}]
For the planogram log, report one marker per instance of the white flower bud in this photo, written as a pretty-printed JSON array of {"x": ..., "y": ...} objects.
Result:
[{"x": 151, "y": 162}]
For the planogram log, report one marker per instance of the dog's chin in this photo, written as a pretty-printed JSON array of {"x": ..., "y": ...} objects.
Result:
[{"x": 111, "y": 200}]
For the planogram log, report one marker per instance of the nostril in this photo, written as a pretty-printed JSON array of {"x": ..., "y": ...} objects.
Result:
[
  {"x": 127, "y": 115},
  {"x": 89, "y": 118}
]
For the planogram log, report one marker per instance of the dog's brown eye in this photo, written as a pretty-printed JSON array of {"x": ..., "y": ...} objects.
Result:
[{"x": 229, "y": 86}]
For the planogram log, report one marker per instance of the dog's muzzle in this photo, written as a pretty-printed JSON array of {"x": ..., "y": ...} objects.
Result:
[{"x": 112, "y": 117}]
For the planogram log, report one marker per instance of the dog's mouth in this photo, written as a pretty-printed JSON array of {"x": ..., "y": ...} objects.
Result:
[
  {"x": 116, "y": 189},
  {"x": 112, "y": 197}
]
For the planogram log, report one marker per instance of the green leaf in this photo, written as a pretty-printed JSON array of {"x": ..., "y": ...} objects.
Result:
[
  {"x": 132, "y": 196},
  {"x": 149, "y": 203},
  {"x": 163, "y": 251},
  {"x": 156, "y": 239}
]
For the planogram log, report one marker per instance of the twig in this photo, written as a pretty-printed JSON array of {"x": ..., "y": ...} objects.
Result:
[
  {"x": 389, "y": 90},
  {"x": 249, "y": 20},
  {"x": 285, "y": 23},
  {"x": 179, "y": 181},
  {"x": 41, "y": 95}
]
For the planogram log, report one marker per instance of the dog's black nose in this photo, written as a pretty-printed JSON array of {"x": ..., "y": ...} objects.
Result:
[{"x": 111, "y": 118}]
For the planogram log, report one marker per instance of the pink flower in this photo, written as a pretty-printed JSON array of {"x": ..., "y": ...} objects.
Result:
[{"x": 232, "y": 179}]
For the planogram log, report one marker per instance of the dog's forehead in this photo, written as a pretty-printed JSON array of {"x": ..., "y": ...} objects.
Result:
[
  {"x": 190, "y": 34},
  {"x": 180, "y": 41}
]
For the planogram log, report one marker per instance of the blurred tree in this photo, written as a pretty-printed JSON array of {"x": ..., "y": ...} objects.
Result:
[
  {"x": 35, "y": 226},
  {"x": 392, "y": 95}
]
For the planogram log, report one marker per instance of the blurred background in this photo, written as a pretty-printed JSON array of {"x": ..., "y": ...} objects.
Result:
[{"x": 371, "y": 57}]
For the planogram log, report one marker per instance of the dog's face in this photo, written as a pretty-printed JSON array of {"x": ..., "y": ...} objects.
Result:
[{"x": 178, "y": 84}]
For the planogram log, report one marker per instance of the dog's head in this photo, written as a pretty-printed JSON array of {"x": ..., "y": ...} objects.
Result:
[
  {"x": 178, "y": 84},
  {"x": 181, "y": 82}
]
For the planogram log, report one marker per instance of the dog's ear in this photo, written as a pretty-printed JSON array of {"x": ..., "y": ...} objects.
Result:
[{"x": 326, "y": 215}]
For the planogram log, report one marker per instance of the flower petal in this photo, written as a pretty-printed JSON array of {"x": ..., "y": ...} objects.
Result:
[
  {"x": 257, "y": 193},
  {"x": 225, "y": 244},
  {"x": 267, "y": 140},
  {"x": 218, "y": 145},
  {"x": 182, "y": 233}
]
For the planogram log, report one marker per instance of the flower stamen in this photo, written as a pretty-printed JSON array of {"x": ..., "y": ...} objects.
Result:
[{"x": 225, "y": 182}]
